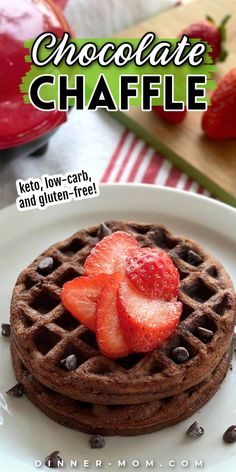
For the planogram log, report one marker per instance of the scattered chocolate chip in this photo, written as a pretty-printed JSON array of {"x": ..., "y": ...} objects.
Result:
[
  {"x": 231, "y": 366},
  {"x": 205, "y": 333},
  {"x": 16, "y": 391},
  {"x": 229, "y": 435},
  {"x": 194, "y": 258},
  {"x": 53, "y": 460},
  {"x": 180, "y": 354},
  {"x": 6, "y": 329},
  {"x": 97, "y": 441},
  {"x": 195, "y": 430},
  {"x": 46, "y": 265},
  {"x": 103, "y": 231},
  {"x": 70, "y": 362}
]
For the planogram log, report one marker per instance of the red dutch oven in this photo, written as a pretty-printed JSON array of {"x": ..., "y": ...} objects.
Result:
[{"x": 23, "y": 128}]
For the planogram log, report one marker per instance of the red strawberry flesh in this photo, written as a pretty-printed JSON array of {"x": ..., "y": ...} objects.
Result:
[
  {"x": 109, "y": 334},
  {"x": 135, "y": 312},
  {"x": 146, "y": 322},
  {"x": 80, "y": 295},
  {"x": 110, "y": 254}
]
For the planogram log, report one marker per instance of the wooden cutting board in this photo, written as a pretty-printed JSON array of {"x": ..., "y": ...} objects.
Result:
[{"x": 212, "y": 164}]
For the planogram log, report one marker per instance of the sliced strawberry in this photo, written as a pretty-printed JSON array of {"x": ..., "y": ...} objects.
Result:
[
  {"x": 153, "y": 272},
  {"x": 145, "y": 322},
  {"x": 110, "y": 254},
  {"x": 109, "y": 334},
  {"x": 80, "y": 295}
]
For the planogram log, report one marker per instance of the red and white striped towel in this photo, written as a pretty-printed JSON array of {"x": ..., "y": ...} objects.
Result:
[{"x": 134, "y": 161}]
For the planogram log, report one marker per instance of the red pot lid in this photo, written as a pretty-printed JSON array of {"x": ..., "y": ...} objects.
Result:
[{"x": 21, "y": 20}]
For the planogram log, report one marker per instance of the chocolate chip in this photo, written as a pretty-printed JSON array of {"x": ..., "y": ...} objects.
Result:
[
  {"x": 46, "y": 265},
  {"x": 194, "y": 258},
  {"x": 195, "y": 430},
  {"x": 229, "y": 435},
  {"x": 97, "y": 441},
  {"x": 103, "y": 231},
  {"x": 16, "y": 391},
  {"x": 205, "y": 333},
  {"x": 53, "y": 461},
  {"x": 6, "y": 329},
  {"x": 180, "y": 354},
  {"x": 70, "y": 362}
]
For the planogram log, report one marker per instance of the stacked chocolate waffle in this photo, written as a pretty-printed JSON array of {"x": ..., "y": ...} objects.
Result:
[{"x": 58, "y": 362}]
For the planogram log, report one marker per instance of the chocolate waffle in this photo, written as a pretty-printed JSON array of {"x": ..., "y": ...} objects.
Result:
[
  {"x": 123, "y": 420},
  {"x": 45, "y": 333}
]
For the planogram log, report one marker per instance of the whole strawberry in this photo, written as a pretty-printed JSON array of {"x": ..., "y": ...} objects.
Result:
[
  {"x": 214, "y": 35},
  {"x": 172, "y": 117},
  {"x": 219, "y": 120},
  {"x": 153, "y": 272}
]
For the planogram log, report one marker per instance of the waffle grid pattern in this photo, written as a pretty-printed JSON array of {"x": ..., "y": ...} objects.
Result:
[
  {"x": 119, "y": 419},
  {"x": 42, "y": 327}
]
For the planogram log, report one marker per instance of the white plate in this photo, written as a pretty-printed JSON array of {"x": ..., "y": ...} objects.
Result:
[{"x": 28, "y": 435}]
